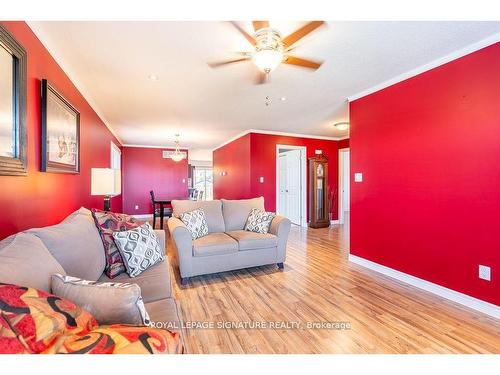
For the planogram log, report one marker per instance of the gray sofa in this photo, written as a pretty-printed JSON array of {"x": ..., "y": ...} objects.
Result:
[
  {"x": 74, "y": 247},
  {"x": 227, "y": 246}
]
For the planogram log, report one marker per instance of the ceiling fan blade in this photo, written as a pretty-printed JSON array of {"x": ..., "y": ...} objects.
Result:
[
  {"x": 261, "y": 78},
  {"x": 218, "y": 64},
  {"x": 245, "y": 34},
  {"x": 257, "y": 25},
  {"x": 292, "y": 60},
  {"x": 302, "y": 32}
]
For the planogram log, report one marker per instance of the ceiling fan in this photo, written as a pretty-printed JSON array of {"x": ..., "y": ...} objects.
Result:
[{"x": 270, "y": 49}]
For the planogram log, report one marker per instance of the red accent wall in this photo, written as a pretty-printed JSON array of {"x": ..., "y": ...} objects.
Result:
[
  {"x": 344, "y": 143},
  {"x": 234, "y": 159},
  {"x": 145, "y": 169},
  {"x": 253, "y": 156},
  {"x": 46, "y": 198},
  {"x": 429, "y": 151}
]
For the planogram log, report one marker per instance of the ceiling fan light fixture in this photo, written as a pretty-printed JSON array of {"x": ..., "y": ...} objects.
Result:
[
  {"x": 267, "y": 59},
  {"x": 342, "y": 125}
]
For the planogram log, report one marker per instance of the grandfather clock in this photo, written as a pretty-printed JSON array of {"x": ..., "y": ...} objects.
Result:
[{"x": 318, "y": 192}]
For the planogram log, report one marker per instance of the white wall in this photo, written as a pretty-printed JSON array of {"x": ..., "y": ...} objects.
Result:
[{"x": 200, "y": 157}]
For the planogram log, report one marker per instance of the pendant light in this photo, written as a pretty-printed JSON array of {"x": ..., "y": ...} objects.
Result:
[{"x": 177, "y": 155}]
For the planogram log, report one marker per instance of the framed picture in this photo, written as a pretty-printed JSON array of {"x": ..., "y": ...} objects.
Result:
[
  {"x": 13, "y": 132},
  {"x": 60, "y": 133}
]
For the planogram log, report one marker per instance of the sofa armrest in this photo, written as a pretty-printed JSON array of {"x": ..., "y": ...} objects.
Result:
[
  {"x": 182, "y": 243},
  {"x": 161, "y": 237},
  {"x": 280, "y": 227}
]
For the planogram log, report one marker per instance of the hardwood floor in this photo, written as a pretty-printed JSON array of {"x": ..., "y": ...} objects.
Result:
[{"x": 318, "y": 284}]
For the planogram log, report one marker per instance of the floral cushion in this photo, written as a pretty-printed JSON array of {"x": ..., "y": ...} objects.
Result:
[
  {"x": 121, "y": 339},
  {"x": 196, "y": 222},
  {"x": 37, "y": 318},
  {"x": 9, "y": 343},
  {"x": 259, "y": 221},
  {"x": 33, "y": 321},
  {"x": 107, "y": 223}
]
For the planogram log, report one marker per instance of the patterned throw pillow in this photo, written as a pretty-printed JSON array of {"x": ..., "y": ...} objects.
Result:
[
  {"x": 109, "y": 303},
  {"x": 39, "y": 318},
  {"x": 259, "y": 221},
  {"x": 107, "y": 223},
  {"x": 140, "y": 249},
  {"x": 196, "y": 222},
  {"x": 120, "y": 339},
  {"x": 33, "y": 321}
]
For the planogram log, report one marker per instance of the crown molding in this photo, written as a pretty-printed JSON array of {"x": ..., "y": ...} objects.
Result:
[
  {"x": 297, "y": 135},
  {"x": 239, "y": 135},
  {"x": 72, "y": 77},
  {"x": 285, "y": 134},
  {"x": 492, "y": 39},
  {"x": 162, "y": 147}
]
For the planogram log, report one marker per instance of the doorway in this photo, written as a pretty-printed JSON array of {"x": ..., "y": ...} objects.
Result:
[
  {"x": 291, "y": 183},
  {"x": 344, "y": 184}
]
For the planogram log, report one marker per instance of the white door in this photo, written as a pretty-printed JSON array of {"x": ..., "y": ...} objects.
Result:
[
  {"x": 293, "y": 186},
  {"x": 289, "y": 204},
  {"x": 345, "y": 181},
  {"x": 282, "y": 167}
]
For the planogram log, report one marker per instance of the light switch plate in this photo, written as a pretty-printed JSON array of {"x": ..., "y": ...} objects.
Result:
[
  {"x": 261, "y": 179},
  {"x": 358, "y": 177},
  {"x": 183, "y": 180},
  {"x": 484, "y": 272}
]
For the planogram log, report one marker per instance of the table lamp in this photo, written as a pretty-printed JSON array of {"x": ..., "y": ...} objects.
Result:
[{"x": 107, "y": 182}]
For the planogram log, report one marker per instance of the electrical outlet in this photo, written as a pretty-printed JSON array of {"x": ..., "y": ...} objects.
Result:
[
  {"x": 136, "y": 207},
  {"x": 183, "y": 180},
  {"x": 358, "y": 177},
  {"x": 261, "y": 180},
  {"x": 484, "y": 272}
]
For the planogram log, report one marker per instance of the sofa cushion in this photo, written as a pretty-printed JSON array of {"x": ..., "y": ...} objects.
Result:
[
  {"x": 109, "y": 303},
  {"x": 39, "y": 318},
  {"x": 107, "y": 223},
  {"x": 251, "y": 240},
  {"x": 164, "y": 314},
  {"x": 25, "y": 261},
  {"x": 235, "y": 212},
  {"x": 154, "y": 282},
  {"x": 214, "y": 244},
  {"x": 213, "y": 212},
  {"x": 196, "y": 222},
  {"x": 259, "y": 221},
  {"x": 140, "y": 249},
  {"x": 39, "y": 322},
  {"x": 75, "y": 244}
]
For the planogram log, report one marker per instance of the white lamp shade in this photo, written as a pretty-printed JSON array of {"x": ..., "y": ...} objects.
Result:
[
  {"x": 105, "y": 181},
  {"x": 267, "y": 59}
]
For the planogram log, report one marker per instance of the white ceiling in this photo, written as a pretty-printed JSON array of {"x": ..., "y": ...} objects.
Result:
[{"x": 110, "y": 63}]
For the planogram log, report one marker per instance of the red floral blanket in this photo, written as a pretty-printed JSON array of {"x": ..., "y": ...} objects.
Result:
[{"x": 33, "y": 321}]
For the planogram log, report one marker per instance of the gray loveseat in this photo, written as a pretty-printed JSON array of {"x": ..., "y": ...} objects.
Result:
[
  {"x": 74, "y": 247},
  {"x": 227, "y": 246}
]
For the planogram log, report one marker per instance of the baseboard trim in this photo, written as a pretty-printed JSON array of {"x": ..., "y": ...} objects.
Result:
[
  {"x": 463, "y": 299},
  {"x": 143, "y": 216}
]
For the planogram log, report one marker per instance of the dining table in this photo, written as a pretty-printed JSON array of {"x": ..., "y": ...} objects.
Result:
[
  {"x": 162, "y": 202},
  {"x": 165, "y": 201}
]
